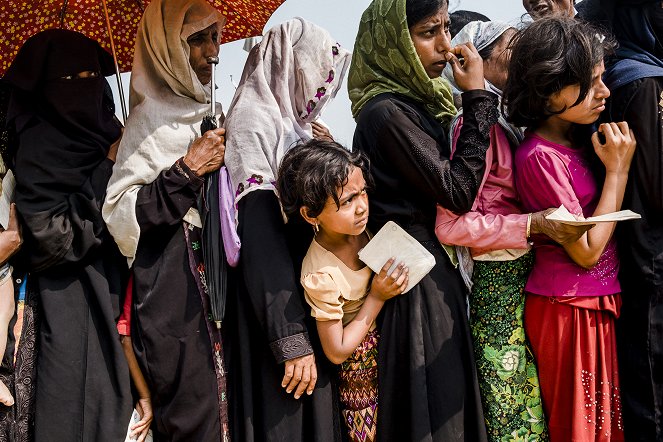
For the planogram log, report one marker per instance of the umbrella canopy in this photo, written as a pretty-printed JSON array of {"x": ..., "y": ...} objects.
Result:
[{"x": 20, "y": 20}]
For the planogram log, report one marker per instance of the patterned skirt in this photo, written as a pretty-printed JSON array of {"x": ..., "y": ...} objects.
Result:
[
  {"x": 359, "y": 390},
  {"x": 506, "y": 369}
]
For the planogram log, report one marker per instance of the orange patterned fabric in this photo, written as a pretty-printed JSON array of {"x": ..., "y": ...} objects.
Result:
[{"x": 20, "y": 19}]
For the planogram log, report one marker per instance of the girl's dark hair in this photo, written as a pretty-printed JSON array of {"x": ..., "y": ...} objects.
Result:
[
  {"x": 417, "y": 10},
  {"x": 547, "y": 56},
  {"x": 313, "y": 171}
]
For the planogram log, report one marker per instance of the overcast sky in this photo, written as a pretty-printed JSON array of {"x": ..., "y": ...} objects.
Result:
[{"x": 341, "y": 19}]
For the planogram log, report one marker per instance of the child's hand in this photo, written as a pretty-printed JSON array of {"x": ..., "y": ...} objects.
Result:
[
  {"x": 385, "y": 286},
  {"x": 139, "y": 429},
  {"x": 469, "y": 73},
  {"x": 10, "y": 239},
  {"x": 617, "y": 151}
]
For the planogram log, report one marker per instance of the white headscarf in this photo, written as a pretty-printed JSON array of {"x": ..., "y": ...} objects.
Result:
[
  {"x": 482, "y": 35},
  {"x": 167, "y": 103},
  {"x": 287, "y": 81}
]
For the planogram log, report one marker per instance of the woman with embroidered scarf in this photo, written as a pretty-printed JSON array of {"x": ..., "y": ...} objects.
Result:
[
  {"x": 427, "y": 384},
  {"x": 497, "y": 263},
  {"x": 635, "y": 80},
  {"x": 150, "y": 210},
  {"x": 61, "y": 112},
  {"x": 280, "y": 381}
]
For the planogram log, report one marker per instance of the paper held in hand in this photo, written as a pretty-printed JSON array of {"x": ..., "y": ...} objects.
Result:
[
  {"x": 392, "y": 241},
  {"x": 8, "y": 184},
  {"x": 564, "y": 216}
]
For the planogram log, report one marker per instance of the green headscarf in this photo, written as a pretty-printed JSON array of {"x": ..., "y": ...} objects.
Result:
[{"x": 384, "y": 60}]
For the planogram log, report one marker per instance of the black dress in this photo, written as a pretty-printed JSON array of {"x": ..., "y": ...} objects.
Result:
[
  {"x": 267, "y": 323},
  {"x": 169, "y": 327},
  {"x": 640, "y": 325},
  {"x": 77, "y": 272},
  {"x": 427, "y": 379}
]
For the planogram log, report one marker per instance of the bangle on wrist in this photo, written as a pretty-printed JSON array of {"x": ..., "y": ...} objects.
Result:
[{"x": 528, "y": 231}]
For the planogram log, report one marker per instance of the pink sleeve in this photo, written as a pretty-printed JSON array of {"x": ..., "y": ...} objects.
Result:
[
  {"x": 543, "y": 181},
  {"x": 124, "y": 324},
  {"x": 490, "y": 232}
]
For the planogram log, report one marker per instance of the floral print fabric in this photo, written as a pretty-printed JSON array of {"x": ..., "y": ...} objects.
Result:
[{"x": 507, "y": 372}]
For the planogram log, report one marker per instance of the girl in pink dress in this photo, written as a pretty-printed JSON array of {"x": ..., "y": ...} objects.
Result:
[{"x": 573, "y": 295}]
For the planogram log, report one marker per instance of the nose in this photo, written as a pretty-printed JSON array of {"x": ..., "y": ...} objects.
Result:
[
  {"x": 603, "y": 91},
  {"x": 362, "y": 205},
  {"x": 211, "y": 48},
  {"x": 443, "y": 42}
]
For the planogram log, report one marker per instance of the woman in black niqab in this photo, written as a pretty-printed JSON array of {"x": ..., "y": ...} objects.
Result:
[{"x": 61, "y": 114}]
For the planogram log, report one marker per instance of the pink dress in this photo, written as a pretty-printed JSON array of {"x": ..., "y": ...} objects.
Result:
[{"x": 570, "y": 312}]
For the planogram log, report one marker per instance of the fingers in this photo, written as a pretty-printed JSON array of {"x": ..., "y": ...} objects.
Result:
[
  {"x": 608, "y": 129},
  {"x": 465, "y": 50},
  {"x": 13, "y": 218},
  {"x": 296, "y": 378},
  {"x": 289, "y": 371},
  {"x": 596, "y": 142},
  {"x": 306, "y": 378},
  {"x": 385, "y": 268},
  {"x": 623, "y": 128},
  {"x": 314, "y": 379}
]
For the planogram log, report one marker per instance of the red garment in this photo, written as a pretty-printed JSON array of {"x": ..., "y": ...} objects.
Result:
[
  {"x": 573, "y": 341},
  {"x": 124, "y": 324}
]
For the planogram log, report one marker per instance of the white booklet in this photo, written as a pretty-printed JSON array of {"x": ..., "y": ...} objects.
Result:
[
  {"x": 135, "y": 418},
  {"x": 8, "y": 185},
  {"x": 564, "y": 216},
  {"x": 392, "y": 241}
]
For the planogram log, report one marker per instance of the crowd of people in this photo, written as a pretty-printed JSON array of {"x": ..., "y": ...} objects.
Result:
[{"x": 469, "y": 133}]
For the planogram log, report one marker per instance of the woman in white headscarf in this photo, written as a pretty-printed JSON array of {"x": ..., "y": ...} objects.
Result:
[
  {"x": 498, "y": 261},
  {"x": 280, "y": 385},
  {"x": 150, "y": 210}
]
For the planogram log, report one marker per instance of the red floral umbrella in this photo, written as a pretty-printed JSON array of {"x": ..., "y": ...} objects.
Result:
[{"x": 20, "y": 19}]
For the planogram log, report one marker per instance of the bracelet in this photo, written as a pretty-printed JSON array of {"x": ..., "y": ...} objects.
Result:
[{"x": 529, "y": 225}]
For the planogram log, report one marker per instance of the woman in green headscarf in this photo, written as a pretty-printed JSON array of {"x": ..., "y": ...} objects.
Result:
[{"x": 428, "y": 386}]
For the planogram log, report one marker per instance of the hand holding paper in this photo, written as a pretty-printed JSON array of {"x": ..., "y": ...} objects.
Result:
[
  {"x": 392, "y": 241},
  {"x": 564, "y": 216}
]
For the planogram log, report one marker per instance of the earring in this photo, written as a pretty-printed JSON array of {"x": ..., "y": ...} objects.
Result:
[{"x": 316, "y": 229}]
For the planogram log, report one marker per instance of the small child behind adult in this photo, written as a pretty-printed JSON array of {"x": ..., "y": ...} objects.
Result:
[
  {"x": 138, "y": 431},
  {"x": 10, "y": 242},
  {"x": 326, "y": 184}
]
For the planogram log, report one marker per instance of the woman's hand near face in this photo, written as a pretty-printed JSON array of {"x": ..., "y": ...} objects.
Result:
[
  {"x": 469, "y": 74},
  {"x": 206, "y": 153}
]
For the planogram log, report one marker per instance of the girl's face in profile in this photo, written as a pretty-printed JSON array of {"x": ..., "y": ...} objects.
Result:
[
  {"x": 351, "y": 216},
  {"x": 432, "y": 40},
  {"x": 589, "y": 109}
]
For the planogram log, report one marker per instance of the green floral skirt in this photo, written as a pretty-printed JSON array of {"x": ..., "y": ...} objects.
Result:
[{"x": 507, "y": 373}]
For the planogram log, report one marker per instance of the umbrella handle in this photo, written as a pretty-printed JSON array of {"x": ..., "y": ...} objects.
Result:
[
  {"x": 215, "y": 62},
  {"x": 117, "y": 68}
]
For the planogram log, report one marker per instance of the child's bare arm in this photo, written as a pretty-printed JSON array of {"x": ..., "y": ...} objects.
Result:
[
  {"x": 10, "y": 238},
  {"x": 144, "y": 406},
  {"x": 616, "y": 154},
  {"x": 339, "y": 342}
]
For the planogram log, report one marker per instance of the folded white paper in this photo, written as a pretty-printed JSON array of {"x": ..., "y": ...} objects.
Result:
[
  {"x": 564, "y": 216},
  {"x": 392, "y": 241},
  {"x": 8, "y": 185}
]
